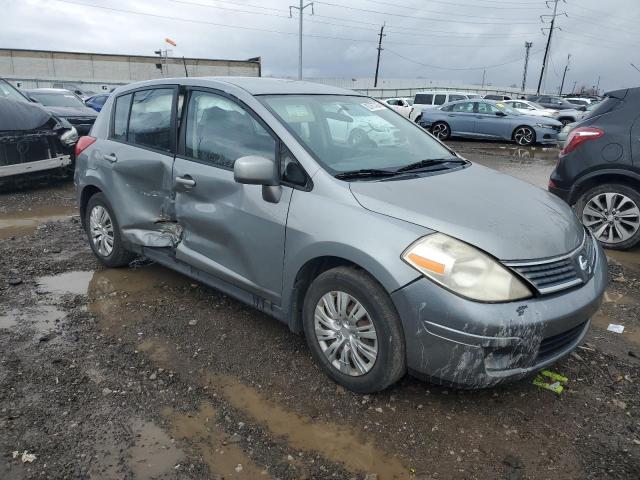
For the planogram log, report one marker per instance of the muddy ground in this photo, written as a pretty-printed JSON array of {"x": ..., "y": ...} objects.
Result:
[{"x": 141, "y": 373}]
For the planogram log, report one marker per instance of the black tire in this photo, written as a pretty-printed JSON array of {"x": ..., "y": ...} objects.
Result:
[
  {"x": 619, "y": 189},
  {"x": 390, "y": 363},
  {"x": 119, "y": 255},
  {"x": 418, "y": 118},
  {"x": 441, "y": 130},
  {"x": 527, "y": 139}
]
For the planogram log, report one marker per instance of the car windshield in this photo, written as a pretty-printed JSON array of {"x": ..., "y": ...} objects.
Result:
[
  {"x": 347, "y": 133},
  {"x": 409, "y": 101},
  {"x": 57, "y": 99},
  {"x": 507, "y": 108},
  {"x": 10, "y": 92}
]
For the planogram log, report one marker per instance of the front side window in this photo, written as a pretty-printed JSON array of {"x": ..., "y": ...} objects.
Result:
[
  {"x": 219, "y": 131},
  {"x": 121, "y": 117},
  {"x": 439, "y": 99},
  {"x": 486, "y": 108},
  {"x": 10, "y": 92},
  {"x": 346, "y": 133},
  {"x": 150, "y": 121}
]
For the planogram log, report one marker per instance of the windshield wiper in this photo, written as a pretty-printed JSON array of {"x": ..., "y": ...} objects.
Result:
[
  {"x": 365, "y": 173},
  {"x": 429, "y": 163}
]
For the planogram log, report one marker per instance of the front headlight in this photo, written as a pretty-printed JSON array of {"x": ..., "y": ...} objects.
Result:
[
  {"x": 464, "y": 269},
  {"x": 70, "y": 137},
  {"x": 543, "y": 125}
]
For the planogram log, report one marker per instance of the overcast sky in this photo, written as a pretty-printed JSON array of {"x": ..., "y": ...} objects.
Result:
[{"x": 430, "y": 39}]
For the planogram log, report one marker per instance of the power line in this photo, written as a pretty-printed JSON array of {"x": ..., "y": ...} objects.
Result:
[
  {"x": 457, "y": 20},
  {"x": 457, "y": 68},
  {"x": 466, "y": 5}
]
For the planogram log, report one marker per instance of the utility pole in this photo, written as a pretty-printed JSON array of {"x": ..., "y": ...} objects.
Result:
[
  {"x": 301, "y": 13},
  {"x": 566, "y": 67},
  {"x": 598, "y": 85},
  {"x": 484, "y": 71},
  {"x": 380, "y": 35},
  {"x": 547, "y": 48},
  {"x": 573, "y": 90},
  {"x": 527, "y": 46}
]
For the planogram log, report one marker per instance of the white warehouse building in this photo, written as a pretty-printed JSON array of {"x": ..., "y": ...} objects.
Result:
[{"x": 102, "y": 72}]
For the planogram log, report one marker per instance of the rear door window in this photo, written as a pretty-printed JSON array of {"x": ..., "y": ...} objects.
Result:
[
  {"x": 219, "y": 131},
  {"x": 440, "y": 100},
  {"x": 150, "y": 120}
]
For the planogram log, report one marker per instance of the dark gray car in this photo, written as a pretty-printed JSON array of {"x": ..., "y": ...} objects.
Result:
[
  {"x": 331, "y": 212},
  {"x": 67, "y": 105}
]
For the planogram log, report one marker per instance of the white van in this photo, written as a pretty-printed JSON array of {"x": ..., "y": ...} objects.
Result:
[{"x": 435, "y": 98}]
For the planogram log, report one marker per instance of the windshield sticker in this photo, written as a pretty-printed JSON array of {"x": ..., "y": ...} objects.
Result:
[
  {"x": 373, "y": 106},
  {"x": 298, "y": 113}
]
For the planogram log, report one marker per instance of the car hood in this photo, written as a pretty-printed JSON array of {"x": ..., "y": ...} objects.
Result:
[
  {"x": 506, "y": 217},
  {"x": 22, "y": 116},
  {"x": 538, "y": 119},
  {"x": 68, "y": 112}
]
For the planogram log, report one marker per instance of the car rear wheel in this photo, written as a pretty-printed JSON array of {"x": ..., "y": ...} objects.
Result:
[
  {"x": 353, "y": 330},
  {"x": 104, "y": 233},
  {"x": 441, "y": 130},
  {"x": 612, "y": 213},
  {"x": 524, "y": 136}
]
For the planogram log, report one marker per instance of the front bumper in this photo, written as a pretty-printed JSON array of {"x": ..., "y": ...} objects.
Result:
[
  {"x": 469, "y": 344},
  {"x": 37, "y": 166},
  {"x": 546, "y": 136}
]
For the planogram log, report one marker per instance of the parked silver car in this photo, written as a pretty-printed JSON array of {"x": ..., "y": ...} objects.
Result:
[{"x": 390, "y": 252}]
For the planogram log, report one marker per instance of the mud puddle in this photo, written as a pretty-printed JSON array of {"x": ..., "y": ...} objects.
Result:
[
  {"x": 628, "y": 258},
  {"x": 112, "y": 293},
  {"x": 17, "y": 224},
  {"x": 75, "y": 282},
  {"x": 42, "y": 318},
  {"x": 219, "y": 450}
]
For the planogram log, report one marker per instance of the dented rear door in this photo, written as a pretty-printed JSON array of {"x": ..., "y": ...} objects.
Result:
[{"x": 136, "y": 163}]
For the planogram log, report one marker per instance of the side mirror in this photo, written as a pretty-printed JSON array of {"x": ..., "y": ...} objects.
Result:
[
  {"x": 255, "y": 170},
  {"x": 500, "y": 114}
]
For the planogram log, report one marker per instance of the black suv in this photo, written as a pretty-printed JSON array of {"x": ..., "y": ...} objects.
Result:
[{"x": 599, "y": 169}]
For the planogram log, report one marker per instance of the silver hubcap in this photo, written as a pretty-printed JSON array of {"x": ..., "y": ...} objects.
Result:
[
  {"x": 524, "y": 136},
  {"x": 440, "y": 130},
  {"x": 346, "y": 333},
  {"x": 612, "y": 217},
  {"x": 101, "y": 228}
]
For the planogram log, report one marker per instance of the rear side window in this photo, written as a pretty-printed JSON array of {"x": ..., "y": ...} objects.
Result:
[
  {"x": 101, "y": 99},
  {"x": 150, "y": 121},
  {"x": 121, "y": 117},
  {"x": 219, "y": 131},
  {"x": 453, "y": 97},
  {"x": 423, "y": 99},
  {"x": 440, "y": 100}
]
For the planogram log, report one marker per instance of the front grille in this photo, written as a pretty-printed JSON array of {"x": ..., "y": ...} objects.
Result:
[
  {"x": 555, "y": 344},
  {"x": 552, "y": 275},
  {"x": 16, "y": 148}
]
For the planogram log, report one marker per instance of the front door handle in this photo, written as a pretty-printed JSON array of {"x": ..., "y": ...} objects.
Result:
[
  {"x": 186, "y": 181},
  {"x": 110, "y": 157}
]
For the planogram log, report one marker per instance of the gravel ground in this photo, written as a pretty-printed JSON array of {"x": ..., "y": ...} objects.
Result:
[{"x": 141, "y": 373}]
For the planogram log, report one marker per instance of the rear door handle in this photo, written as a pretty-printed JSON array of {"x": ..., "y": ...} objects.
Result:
[
  {"x": 110, "y": 157},
  {"x": 186, "y": 181}
]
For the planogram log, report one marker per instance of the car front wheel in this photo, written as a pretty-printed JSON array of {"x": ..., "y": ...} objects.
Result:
[
  {"x": 524, "y": 136},
  {"x": 353, "y": 330},
  {"x": 441, "y": 130},
  {"x": 612, "y": 213}
]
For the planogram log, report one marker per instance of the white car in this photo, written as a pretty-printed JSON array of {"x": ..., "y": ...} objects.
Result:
[
  {"x": 434, "y": 99},
  {"x": 401, "y": 105},
  {"x": 532, "y": 108}
]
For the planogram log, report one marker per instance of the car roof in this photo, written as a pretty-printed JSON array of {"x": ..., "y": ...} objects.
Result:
[
  {"x": 252, "y": 85},
  {"x": 443, "y": 92}
]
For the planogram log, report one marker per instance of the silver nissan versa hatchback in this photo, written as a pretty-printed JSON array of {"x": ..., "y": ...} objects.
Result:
[{"x": 331, "y": 212}]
